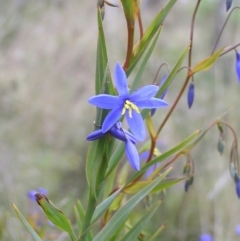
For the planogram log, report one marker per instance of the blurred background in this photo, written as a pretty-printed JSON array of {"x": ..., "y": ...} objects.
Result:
[{"x": 47, "y": 70}]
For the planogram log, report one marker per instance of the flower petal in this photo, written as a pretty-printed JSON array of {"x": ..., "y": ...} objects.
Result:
[
  {"x": 111, "y": 119},
  {"x": 238, "y": 65},
  {"x": 144, "y": 155},
  {"x": 94, "y": 135},
  {"x": 152, "y": 103},
  {"x": 132, "y": 155},
  {"x": 118, "y": 133},
  {"x": 121, "y": 134},
  {"x": 105, "y": 101},
  {"x": 121, "y": 81},
  {"x": 136, "y": 125},
  {"x": 144, "y": 93},
  {"x": 131, "y": 137}
]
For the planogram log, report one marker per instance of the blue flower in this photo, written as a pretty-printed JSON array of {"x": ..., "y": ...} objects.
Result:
[
  {"x": 206, "y": 237},
  {"x": 127, "y": 103},
  {"x": 190, "y": 95},
  {"x": 238, "y": 65},
  {"x": 123, "y": 135},
  {"x": 31, "y": 193},
  {"x": 228, "y": 4}
]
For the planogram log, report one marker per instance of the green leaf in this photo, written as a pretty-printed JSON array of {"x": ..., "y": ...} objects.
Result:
[
  {"x": 141, "y": 224},
  {"x": 136, "y": 187},
  {"x": 96, "y": 163},
  {"x": 208, "y": 62},
  {"x": 121, "y": 215},
  {"x": 130, "y": 9},
  {"x": 102, "y": 76},
  {"x": 144, "y": 62},
  {"x": 152, "y": 29},
  {"x": 26, "y": 224},
  {"x": 115, "y": 158},
  {"x": 173, "y": 73},
  {"x": 165, "y": 155},
  {"x": 166, "y": 183},
  {"x": 55, "y": 215},
  {"x": 79, "y": 214},
  {"x": 155, "y": 235},
  {"x": 102, "y": 207}
]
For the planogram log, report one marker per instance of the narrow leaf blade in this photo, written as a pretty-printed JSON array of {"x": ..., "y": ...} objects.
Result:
[
  {"x": 208, "y": 62},
  {"x": 26, "y": 224},
  {"x": 121, "y": 215},
  {"x": 102, "y": 207},
  {"x": 140, "y": 225}
]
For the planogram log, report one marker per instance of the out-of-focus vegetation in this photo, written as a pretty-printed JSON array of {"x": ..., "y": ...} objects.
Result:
[{"x": 47, "y": 70}]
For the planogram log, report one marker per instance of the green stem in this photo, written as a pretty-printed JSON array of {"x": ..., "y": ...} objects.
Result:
[
  {"x": 188, "y": 76},
  {"x": 88, "y": 217},
  {"x": 130, "y": 26},
  {"x": 140, "y": 24},
  {"x": 230, "y": 49},
  {"x": 174, "y": 104},
  {"x": 191, "y": 33},
  {"x": 224, "y": 25}
]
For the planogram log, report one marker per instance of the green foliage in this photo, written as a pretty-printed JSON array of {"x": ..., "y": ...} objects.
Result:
[
  {"x": 112, "y": 211},
  {"x": 55, "y": 215},
  {"x": 26, "y": 224}
]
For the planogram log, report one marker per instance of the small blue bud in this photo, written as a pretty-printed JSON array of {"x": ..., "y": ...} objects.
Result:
[
  {"x": 237, "y": 182},
  {"x": 206, "y": 237},
  {"x": 238, "y": 65},
  {"x": 228, "y": 4},
  {"x": 220, "y": 145},
  {"x": 190, "y": 95}
]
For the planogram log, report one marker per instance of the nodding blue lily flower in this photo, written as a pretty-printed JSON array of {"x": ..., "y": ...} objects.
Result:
[
  {"x": 127, "y": 103},
  {"x": 228, "y": 4},
  {"x": 206, "y": 237},
  {"x": 123, "y": 135},
  {"x": 190, "y": 95},
  {"x": 238, "y": 65}
]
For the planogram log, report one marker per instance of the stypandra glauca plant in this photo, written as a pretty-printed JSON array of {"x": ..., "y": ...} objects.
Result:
[{"x": 124, "y": 166}]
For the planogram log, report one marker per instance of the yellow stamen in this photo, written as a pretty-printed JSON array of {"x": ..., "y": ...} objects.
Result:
[{"x": 128, "y": 105}]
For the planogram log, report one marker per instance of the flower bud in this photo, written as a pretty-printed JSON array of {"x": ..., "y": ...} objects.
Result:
[
  {"x": 238, "y": 65},
  {"x": 220, "y": 145},
  {"x": 237, "y": 182},
  {"x": 190, "y": 95},
  {"x": 188, "y": 183},
  {"x": 228, "y": 4}
]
